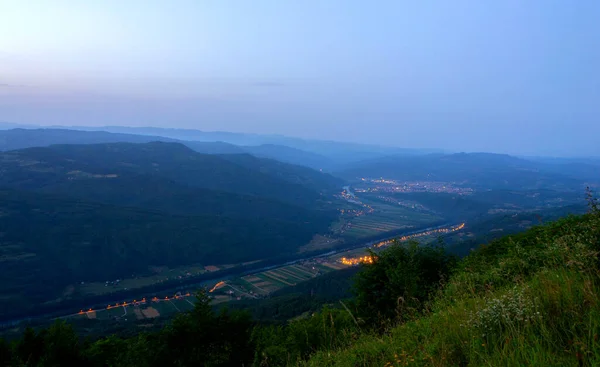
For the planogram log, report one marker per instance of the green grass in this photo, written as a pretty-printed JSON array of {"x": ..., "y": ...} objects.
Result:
[
  {"x": 183, "y": 305},
  {"x": 95, "y": 288},
  {"x": 531, "y": 299},
  {"x": 273, "y": 280},
  {"x": 358, "y": 232},
  {"x": 323, "y": 268},
  {"x": 244, "y": 284},
  {"x": 301, "y": 270},
  {"x": 163, "y": 307},
  {"x": 292, "y": 274},
  {"x": 109, "y": 314}
]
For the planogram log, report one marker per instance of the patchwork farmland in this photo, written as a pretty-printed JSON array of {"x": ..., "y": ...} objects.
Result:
[
  {"x": 269, "y": 281},
  {"x": 383, "y": 217},
  {"x": 140, "y": 310}
]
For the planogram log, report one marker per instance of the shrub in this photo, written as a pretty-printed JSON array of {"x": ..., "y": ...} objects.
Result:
[{"x": 399, "y": 281}]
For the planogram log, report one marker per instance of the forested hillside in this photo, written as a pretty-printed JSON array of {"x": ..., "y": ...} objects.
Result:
[
  {"x": 291, "y": 173},
  {"x": 49, "y": 243},
  {"x": 81, "y": 213},
  {"x": 169, "y": 160}
]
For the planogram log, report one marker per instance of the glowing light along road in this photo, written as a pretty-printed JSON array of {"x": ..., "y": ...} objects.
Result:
[
  {"x": 421, "y": 234},
  {"x": 135, "y": 303},
  {"x": 217, "y": 286},
  {"x": 369, "y": 259}
]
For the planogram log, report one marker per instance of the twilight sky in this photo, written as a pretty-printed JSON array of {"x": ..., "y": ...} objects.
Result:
[{"x": 507, "y": 76}]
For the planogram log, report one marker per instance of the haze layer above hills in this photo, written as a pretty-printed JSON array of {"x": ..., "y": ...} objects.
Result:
[
  {"x": 345, "y": 160},
  {"x": 326, "y": 155}
]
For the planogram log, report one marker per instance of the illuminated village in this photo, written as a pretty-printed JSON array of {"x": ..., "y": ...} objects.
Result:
[{"x": 357, "y": 260}]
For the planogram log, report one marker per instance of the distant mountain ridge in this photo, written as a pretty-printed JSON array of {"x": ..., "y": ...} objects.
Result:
[
  {"x": 26, "y": 138},
  {"x": 333, "y": 154}
]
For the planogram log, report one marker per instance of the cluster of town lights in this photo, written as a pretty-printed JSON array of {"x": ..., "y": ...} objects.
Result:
[{"x": 357, "y": 260}]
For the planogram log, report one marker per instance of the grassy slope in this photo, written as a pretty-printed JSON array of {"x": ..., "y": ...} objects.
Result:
[{"x": 529, "y": 299}]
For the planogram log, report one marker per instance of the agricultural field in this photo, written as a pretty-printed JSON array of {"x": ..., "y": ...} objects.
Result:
[
  {"x": 320, "y": 242},
  {"x": 384, "y": 218},
  {"x": 148, "y": 309},
  {"x": 160, "y": 274},
  {"x": 266, "y": 282}
]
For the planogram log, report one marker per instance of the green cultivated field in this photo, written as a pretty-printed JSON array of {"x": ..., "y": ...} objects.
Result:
[
  {"x": 161, "y": 274},
  {"x": 272, "y": 280},
  {"x": 148, "y": 310},
  {"x": 386, "y": 218}
]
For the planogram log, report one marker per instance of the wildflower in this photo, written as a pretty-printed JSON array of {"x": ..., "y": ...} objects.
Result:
[{"x": 512, "y": 308}]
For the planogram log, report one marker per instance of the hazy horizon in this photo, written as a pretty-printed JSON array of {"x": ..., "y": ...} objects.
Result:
[{"x": 511, "y": 77}]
